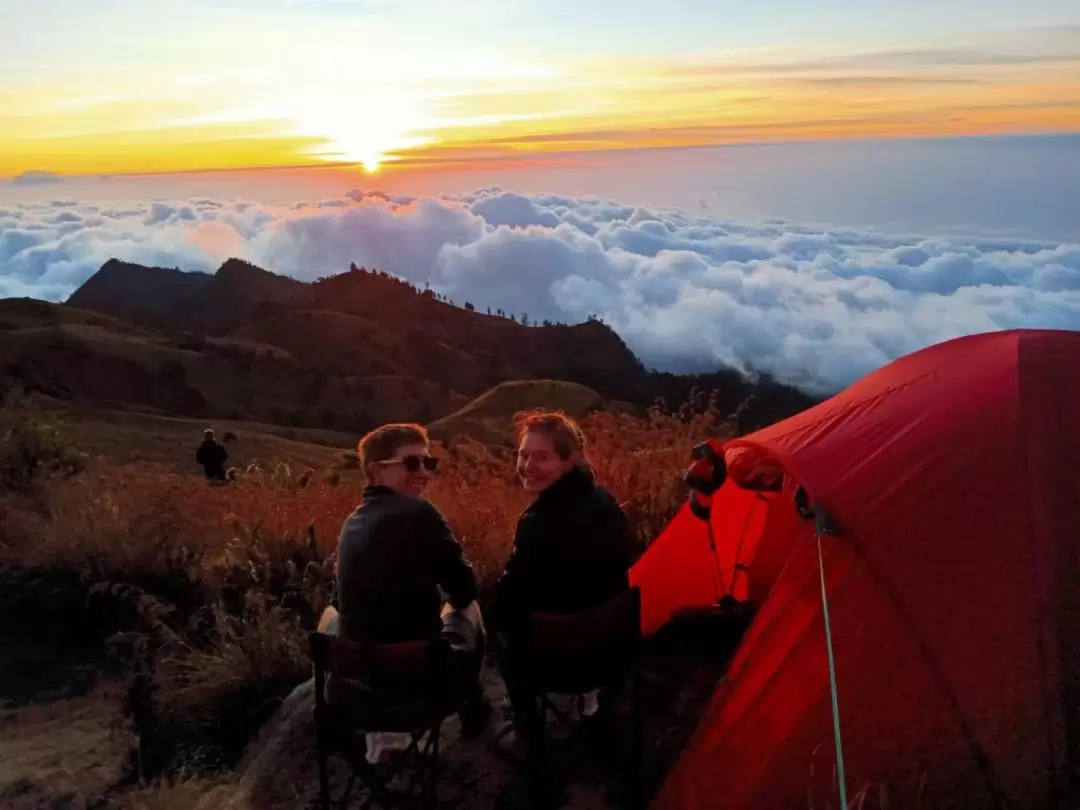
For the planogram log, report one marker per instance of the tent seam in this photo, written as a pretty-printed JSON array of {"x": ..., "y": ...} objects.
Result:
[
  {"x": 1022, "y": 416},
  {"x": 845, "y": 408},
  {"x": 982, "y": 759}
]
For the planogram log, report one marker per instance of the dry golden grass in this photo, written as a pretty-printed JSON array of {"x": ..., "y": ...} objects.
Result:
[
  {"x": 69, "y": 746},
  {"x": 202, "y": 677},
  {"x": 143, "y": 516},
  {"x": 209, "y": 590},
  {"x": 128, "y": 437},
  {"x": 181, "y": 794},
  {"x": 485, "y": 418}
]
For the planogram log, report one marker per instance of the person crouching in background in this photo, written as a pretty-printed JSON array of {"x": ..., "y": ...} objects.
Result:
[{"x": 211, "y": 456}]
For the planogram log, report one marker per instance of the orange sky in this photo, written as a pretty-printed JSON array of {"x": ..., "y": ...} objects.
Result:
[{"x": 318, "y": 94}]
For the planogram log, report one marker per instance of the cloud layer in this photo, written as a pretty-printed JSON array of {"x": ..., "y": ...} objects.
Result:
[
  {"x": 35, "y": 177},
  {"x": 687, "y": 292}
]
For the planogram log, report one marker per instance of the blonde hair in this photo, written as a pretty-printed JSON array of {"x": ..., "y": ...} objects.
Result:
[
  {"x": 383, "y": 442},
  {"x": 565, "y": 434}
]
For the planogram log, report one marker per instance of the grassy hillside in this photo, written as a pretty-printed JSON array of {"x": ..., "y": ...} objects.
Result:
[
  {"x": 20, "y": 313},
  {"x": 89, "y": 360},
  {"x": 489, "y": 418},
  {"x": 344, "y": 353},
  {"x": 182, "y": 608},
  {"x": 125, "y": 435},
  {"x": 356, "y": 325},
  {"x": 121, "y": 436}
]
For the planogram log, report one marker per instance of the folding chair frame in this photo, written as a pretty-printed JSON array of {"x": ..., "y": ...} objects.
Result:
[
  {"x": 332, "y": 737},
  {"x": 548, "y": 779},
  {"x": 546, "y": 782}
]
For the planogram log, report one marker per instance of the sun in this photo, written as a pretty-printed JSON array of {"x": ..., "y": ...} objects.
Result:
[
  {"x": 363, "y": 129},
  {"x": 369, "y": 158},
  {"x": 370, "y": 155}
]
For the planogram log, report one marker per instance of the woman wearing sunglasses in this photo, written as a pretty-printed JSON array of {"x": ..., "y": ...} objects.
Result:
[{"x": 396, "y": 552}]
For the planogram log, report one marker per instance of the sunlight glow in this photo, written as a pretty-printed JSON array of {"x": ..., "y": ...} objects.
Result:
[
  {"x": 365, "y": 128},
  {"x": 321, "y": 86}
]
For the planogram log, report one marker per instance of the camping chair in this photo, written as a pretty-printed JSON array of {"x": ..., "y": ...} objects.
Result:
[
  {"x": 573, "y": 655},
  {"x": 401, "y": 687}
]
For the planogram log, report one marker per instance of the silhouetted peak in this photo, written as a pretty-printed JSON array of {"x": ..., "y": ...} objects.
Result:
[
  {"x": 234, "y": 269},
  {"x": 132, "y": 290},
  {"x": 116, "y": 267}
]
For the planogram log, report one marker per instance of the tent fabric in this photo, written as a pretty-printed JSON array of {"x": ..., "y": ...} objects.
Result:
[
  {"x": 706, "y": 571},
  {"x": 953, "y": 592}
]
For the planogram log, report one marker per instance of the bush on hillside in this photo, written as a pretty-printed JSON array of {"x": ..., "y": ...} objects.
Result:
[{"x": 33, "y": 449}]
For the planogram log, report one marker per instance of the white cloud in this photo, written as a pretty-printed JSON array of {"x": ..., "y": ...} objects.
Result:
[
  {"x": 34, "y": 177},
  {"x": 513, "y": 210},
  {"x": 687, "y": 292}
]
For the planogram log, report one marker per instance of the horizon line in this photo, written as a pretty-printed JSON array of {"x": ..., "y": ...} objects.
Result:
[{"x": 404, "y": 163}]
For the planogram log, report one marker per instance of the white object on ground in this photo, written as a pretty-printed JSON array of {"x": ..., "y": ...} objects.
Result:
[
  {"x": 590, "y": 703},
  {"x": 373, "y": 741}
]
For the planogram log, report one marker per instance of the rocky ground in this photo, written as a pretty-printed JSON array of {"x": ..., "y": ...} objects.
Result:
[
  {"x": 66, "y": 751},
  {"x": 678, "y": 677}
]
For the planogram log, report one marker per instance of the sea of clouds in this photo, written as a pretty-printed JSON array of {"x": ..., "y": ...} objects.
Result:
[{"x": 818, "y": 308}]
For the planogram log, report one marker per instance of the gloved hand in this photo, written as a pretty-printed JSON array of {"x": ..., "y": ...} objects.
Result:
[{"x": 708, "y": 472}]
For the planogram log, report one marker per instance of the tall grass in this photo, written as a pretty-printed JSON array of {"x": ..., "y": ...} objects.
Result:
[{"x": 205, "y": 593}]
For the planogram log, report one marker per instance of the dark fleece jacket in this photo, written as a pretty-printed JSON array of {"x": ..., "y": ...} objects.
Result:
[
  {"x": 572, "y": 551},
  {"x": 394, "y": 553}
]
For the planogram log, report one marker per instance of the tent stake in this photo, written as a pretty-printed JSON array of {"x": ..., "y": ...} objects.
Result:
[{"x": 832, "y": 678}]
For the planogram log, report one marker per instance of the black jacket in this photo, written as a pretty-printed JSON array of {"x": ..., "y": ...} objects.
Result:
[
  {"x": 572, "y": 551},
  {"x": 212, "y": 456},
  {"x": 394, "y": 553}
]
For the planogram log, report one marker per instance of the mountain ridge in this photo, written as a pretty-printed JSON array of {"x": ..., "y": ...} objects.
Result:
[
  {"x": 344, "y": 352},
  {"x": 135, "y": 291}
]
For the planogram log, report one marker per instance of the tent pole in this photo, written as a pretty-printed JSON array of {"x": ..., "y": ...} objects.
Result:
[
  {"x": 832, "y": 678},
  {"x": 721, "y": 589}
]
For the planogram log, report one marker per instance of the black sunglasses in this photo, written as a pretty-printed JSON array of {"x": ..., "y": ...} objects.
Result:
[{"x": 414, "y": 463}]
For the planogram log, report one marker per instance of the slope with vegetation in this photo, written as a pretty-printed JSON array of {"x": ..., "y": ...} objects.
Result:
[
  {"x": 487, "y": 418},
  {"x": 181, "y": 608},
  {"x": 343, "y": 353}
]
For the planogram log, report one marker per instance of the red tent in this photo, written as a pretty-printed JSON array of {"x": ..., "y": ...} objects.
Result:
[{"x": 953, "y": 587}]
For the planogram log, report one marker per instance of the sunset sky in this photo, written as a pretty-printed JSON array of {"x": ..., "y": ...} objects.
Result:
[{"x": 118, "y": 86}]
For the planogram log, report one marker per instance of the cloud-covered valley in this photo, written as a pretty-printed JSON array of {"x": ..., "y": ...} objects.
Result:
[{"x": 815, "y": 307}]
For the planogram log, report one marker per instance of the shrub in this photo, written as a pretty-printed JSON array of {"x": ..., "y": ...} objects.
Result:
[{"x": 33, "y": 449}]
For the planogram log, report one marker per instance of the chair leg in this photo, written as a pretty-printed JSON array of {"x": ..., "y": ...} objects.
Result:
[
  {"x": 378, "y": 790},
  {"x": 431, "y": 799},
  {"x": 344, "y": 802},
  {"x": 537, "y": 765},
  {"x": 637, "y": 741},
  {"x": 417, "y": 775},
  {"x": 324, "y": 777}
]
